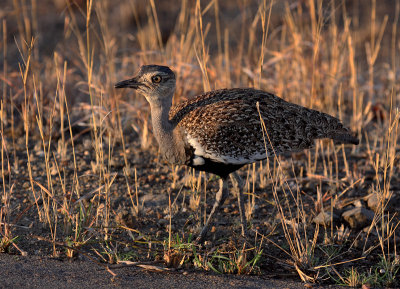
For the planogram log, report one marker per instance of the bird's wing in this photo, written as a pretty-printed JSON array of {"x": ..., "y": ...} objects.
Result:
[{"x": 224, "y": 125}]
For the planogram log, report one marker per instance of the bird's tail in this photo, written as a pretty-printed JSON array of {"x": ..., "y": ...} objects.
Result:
[
  {"x": 343, "y": 137},
  {"x": 331, "y": 127}
]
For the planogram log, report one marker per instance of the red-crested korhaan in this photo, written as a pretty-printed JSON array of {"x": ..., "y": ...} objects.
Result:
[{"x": 220, "y": 131}]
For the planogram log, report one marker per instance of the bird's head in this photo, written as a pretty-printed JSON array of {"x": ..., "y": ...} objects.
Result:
[{"x": 155, "y": 82}]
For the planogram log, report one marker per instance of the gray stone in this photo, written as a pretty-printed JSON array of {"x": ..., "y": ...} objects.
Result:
[{"x": 358, "y": 217}]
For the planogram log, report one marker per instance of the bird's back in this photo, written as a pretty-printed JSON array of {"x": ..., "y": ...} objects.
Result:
[{"x": 225, "y": 125}]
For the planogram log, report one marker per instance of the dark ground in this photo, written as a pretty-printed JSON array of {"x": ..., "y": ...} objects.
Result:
[{"x": 43, "y": 272}]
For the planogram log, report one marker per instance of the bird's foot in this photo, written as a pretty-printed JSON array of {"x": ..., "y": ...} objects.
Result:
[{"x": 201, "y": 237}]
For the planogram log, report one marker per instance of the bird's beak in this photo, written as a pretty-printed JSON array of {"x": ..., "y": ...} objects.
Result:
[{"x": 131, "y": 83}]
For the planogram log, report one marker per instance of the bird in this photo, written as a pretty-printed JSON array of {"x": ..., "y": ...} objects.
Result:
[{"x": 222, "y": 130}]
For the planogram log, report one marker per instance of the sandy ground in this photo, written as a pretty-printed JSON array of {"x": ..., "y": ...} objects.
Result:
[{"x": 40, "y": 272}]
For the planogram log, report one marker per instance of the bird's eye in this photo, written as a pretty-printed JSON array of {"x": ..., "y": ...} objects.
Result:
[{"x": 156, "y": 79}]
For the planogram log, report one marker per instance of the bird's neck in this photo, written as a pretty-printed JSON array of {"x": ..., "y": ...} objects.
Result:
[
  {"x": 162, "y": 126},
  {"x": 171, "y": 145}
]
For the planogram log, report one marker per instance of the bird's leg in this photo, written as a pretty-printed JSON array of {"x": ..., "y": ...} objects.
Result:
[
  {"x": 219, "y": 200},
  {"x": 239, "y": 185}
]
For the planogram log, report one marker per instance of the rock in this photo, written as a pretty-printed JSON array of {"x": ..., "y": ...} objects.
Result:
[
  {"x": 53, "y": 170},
  {"x": 113, "y": 162},
  {"x": 358, "y": 217},
  {"x": 163, "y": 222},
  {"x": 87, "y": 144},
  {"x": 126, "y": 218},
  {"x": 373, "y": 201},
  {"x": 154, "y": 200},
  {"x": 81, "y": 163},
  {"x": 325, "y": 218}
]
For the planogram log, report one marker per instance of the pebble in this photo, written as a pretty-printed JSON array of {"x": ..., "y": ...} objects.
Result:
[
  {"x": 163, "y": 222},
  {"x": 172, "y": 227},
  {"x": 373, "y": 202},
  {"x": 81, "y": 163},
  {"x": 53, "y": 170},
  {"x": 87, "y": 144},
  {"x": 113, "y": 162}
]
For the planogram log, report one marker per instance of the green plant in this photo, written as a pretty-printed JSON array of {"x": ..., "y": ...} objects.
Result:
[{"x": 385, "y": 273}]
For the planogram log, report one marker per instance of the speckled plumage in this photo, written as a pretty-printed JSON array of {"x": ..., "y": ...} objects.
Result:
[
  {"x": 226, "y": 124},
  {"x": 220, "y": 131}
]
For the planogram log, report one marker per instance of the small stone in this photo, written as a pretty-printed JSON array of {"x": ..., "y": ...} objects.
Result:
[
  {"x": 168, "y": 228},
  {"x": 53, "y": 170},
  {"x": 81, "y": 163},
  {"x": 154, "y": 200},
  {"x": 163, "y": 222},
  {"x": 125, "y": 217},
  {"x": 38, "y": 146},
  {"x": 87, "y": 144},
  {"x": 358, "y": 218},
  {"x": 325, "y": 218},
  {"x": 373, "y": 201},
  {"x": 113, "y": 162}
]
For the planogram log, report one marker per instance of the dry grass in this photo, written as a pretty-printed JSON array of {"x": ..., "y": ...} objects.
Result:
[{"x": 58, "y": 107}]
